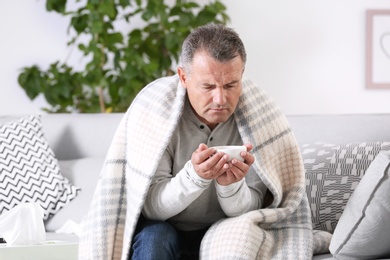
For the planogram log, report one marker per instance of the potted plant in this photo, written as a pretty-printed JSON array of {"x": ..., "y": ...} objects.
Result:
[{"x": 118, "y": 64}]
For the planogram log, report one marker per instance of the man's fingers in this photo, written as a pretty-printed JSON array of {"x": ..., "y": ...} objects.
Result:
[
  {"x": 248, "y": 146},
  {"x": 249, "y": 159},
  {"x": 202, "y": 154},
  {"x": 215, "y": 165}
]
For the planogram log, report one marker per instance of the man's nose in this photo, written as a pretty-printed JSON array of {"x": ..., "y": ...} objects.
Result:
[{"x": 219, "y": 96}]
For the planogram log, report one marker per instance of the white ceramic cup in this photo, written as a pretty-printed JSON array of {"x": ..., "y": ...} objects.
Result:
[{"x": 232, "y": 150}]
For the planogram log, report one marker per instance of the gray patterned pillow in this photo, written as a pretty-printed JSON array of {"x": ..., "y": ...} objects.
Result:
[{"x": 332, "y": 174}]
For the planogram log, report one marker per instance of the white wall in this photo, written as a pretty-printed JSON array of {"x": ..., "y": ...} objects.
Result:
[
  {"x": 308, "y": 55},
  {"x": 29, "y": 35}
]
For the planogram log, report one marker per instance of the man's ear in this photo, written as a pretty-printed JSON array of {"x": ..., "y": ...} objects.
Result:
[{"x": 182, "y": 77}]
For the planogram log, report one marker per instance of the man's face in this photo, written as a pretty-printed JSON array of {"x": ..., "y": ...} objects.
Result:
[{"x": 213, "y": 87}]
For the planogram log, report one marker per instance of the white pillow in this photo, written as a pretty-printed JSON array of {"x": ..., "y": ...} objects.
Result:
[
  {"x": 29, "y": 171},
  {"x": 363, "y": 231}
]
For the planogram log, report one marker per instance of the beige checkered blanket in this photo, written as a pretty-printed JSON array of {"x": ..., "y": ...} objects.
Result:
[{"x": 280, "y": 231}]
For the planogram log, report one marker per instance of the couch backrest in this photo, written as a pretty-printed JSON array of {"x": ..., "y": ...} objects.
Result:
[
  {"x": 339, "y": 129},
  {"x": 74, "y": 136},
  {"x": 80, "y": 135}
]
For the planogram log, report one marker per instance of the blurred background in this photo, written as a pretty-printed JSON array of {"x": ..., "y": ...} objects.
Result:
[{"x": 307, "y": 55}]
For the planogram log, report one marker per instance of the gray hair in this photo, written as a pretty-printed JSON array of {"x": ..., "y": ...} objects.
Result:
[{"x": 220, "y": 42}]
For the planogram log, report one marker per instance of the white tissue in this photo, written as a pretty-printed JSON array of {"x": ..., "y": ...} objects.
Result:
[
  {"x": 70, "y": 227},
  {"x": 23, "y": 225}
]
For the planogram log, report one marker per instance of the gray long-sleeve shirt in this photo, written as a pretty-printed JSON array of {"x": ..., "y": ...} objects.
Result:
[{"x": 186, "y": 200}]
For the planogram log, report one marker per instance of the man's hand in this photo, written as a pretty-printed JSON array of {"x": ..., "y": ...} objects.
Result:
[
  {"x": 208, "y": 163},
  {"x": 237, "y": 170}
]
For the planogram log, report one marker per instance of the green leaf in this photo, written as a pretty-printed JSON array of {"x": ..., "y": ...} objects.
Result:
[
  {"x": 191, "y": 5},
  {"x": 185, "y": 19},
  {"x": 79, "y": 23},
  {"x": 114, "y": 89},
  {"x": 219, "y": 7},
  {"x": 95, "y": 23},
  {"x": 171, "y": 41},
  {"x": 83, "y": 48},
  {"x": 176, "y": 10},
  {"x": 108, "y": 8},
  {"x": 135, "y": 37},
  {"x": 56, "y": 5},
  {"x": 205, "y": 16},
  {"x": 94, "y": 2},
  {"x": 147, "y": 15},
  {"x": 124, "y": 3},
  {"x": 32, "y": 80},
  {"x": 113, "y": 38}
]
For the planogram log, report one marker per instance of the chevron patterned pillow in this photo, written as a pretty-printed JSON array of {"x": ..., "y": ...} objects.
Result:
[{"x": 29, "y": 171}]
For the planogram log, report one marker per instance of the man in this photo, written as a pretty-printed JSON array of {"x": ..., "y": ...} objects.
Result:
[
  {"x": 195, "y": 186},
  {"x": 166, "y": 193}
]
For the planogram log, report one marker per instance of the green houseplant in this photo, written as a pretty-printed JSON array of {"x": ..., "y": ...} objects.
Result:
[{"x": 119, "y": 64}]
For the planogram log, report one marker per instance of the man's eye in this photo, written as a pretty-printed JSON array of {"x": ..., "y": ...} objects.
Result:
[
  {"x": 208, "y": 87},
  {"x": 230, "y": 86}
]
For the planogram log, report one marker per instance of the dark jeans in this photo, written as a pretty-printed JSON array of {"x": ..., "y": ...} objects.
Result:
[{"x": 159, "y": 240}]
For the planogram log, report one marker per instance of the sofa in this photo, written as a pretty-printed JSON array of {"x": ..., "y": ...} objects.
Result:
[
  {"x": 328, "y": 145},
  {"x": 347, "y": 168},
  {"x": 79, "y": 143}
]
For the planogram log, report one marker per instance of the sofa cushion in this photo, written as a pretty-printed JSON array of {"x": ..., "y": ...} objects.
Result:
[
  {"x": 85, "y": 174},
  {"x": 363, "y": 231},
  {"x": 332, "y": 174},
  {"x": 29, "y": 171}
]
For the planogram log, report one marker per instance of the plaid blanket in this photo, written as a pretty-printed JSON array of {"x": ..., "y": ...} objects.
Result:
[{"x": 282, "y": 230}]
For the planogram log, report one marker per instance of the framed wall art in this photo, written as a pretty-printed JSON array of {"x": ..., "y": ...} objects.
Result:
[{"x": 378, "y": 49}]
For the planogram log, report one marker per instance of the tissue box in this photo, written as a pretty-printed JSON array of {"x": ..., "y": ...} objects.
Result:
[{"x": 59, "y": 247}]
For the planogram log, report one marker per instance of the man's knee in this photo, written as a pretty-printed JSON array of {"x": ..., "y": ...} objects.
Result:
[
  {"x": 159, "y": 232},
  {"x": 155, "y": 239}
]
